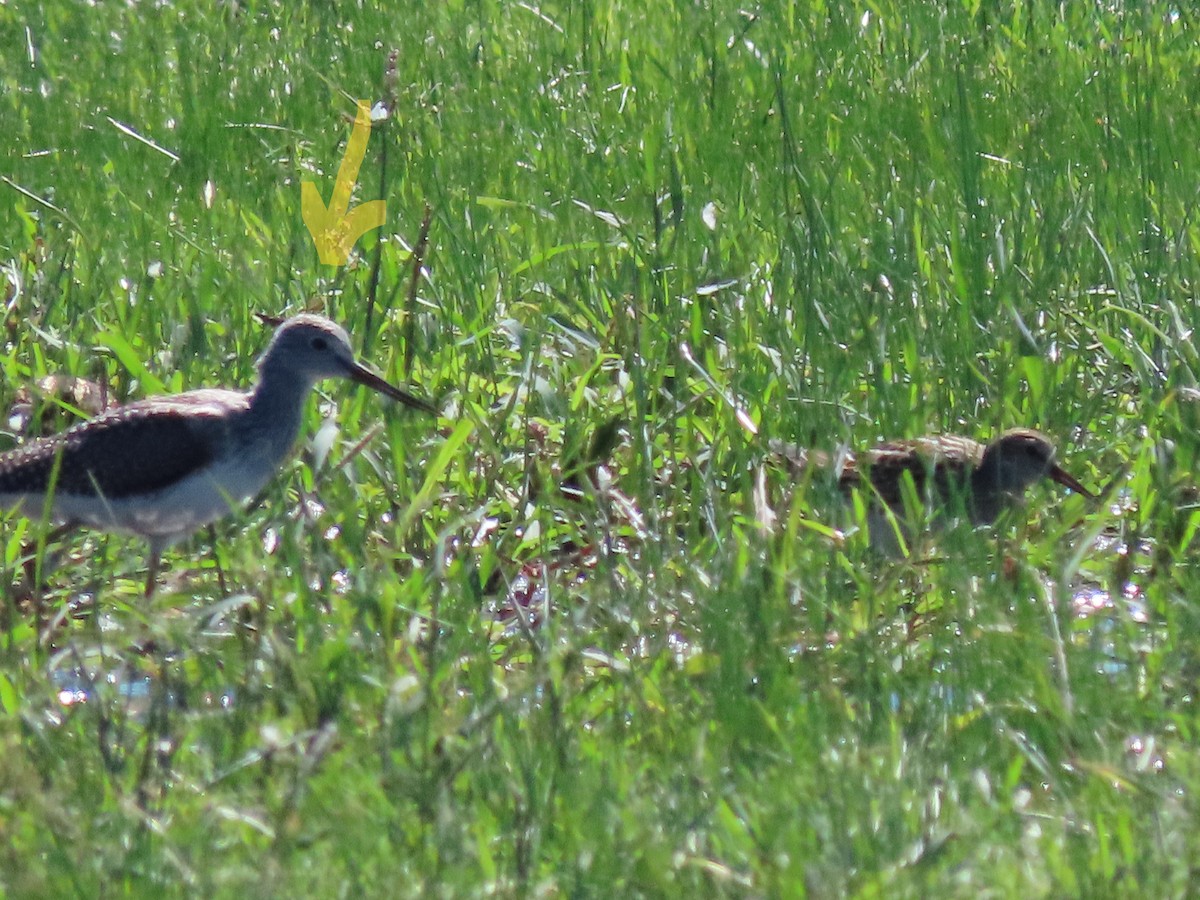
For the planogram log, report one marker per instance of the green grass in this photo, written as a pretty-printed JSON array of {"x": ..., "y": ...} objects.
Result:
[{"x": 855, "y": 223}]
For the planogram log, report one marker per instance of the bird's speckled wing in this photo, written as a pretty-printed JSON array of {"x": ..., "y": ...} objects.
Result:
[
  {"x": 796, "y": 459},
  {"x": 135, "y": 449},
  {"x": 949, "y": 458}
]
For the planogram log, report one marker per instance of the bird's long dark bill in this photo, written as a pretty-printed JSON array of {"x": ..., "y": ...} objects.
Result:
[
  {"x": 373, "y": 381},
  {"x": 1061, "y": 476}
]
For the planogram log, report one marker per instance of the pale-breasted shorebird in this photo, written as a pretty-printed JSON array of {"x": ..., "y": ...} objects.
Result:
[
  {"x": 165, "y": 466},
  {"x": 984, "y": 479}
]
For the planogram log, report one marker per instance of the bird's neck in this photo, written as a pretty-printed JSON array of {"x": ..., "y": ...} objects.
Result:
[
  {"x": 277, "y": 402},
  {"x": 991, "y": 489},
  {"x": 988, "y": 475}
]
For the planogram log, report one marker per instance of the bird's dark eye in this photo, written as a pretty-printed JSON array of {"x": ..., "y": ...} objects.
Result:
[{"x": 318, "y": 343}]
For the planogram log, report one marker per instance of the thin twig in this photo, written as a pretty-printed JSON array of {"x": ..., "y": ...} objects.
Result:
[
  {"x": 410, "y": 313},
  {"x": 389, "y": 103}
]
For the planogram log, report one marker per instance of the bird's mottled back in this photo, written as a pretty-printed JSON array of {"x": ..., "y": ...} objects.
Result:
[
  {"x": 136, "y": 449},
  {"x": 948, "y": 459}
]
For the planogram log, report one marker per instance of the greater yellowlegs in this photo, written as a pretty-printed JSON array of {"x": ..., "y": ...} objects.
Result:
[
  {"x": 945, "y": 469},
  {"x": 165, "y": 466}
]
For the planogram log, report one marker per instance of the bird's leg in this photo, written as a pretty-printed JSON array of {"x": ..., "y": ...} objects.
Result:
[
  {"x": 212, "y": 540},
  {"x": 33, "y": 568},
  {"x": 156, "y": 549}
]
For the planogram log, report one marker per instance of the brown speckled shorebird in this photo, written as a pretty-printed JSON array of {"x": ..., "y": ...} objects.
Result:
[
  {"x": 165, "y": 466},
  {"x": 945, "y": 469}
]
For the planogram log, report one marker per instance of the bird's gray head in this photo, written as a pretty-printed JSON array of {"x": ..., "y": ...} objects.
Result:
[
  {"x": 1019, "y": 458},
  {"x": 310, "y": 348}
]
